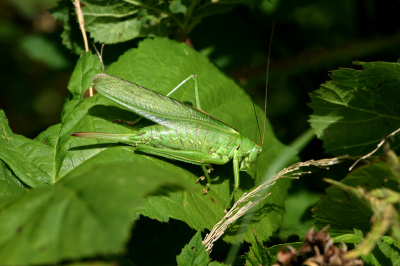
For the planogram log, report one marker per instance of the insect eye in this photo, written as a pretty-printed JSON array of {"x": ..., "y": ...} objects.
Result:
[{"x": 258, "y": 151}]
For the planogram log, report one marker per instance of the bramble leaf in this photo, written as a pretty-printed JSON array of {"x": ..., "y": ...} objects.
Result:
[
  {"x": 358, "y": 108},
  {"x": 160, "y": 65},
  {"x": 88, "y": 212},
  {"x": 194, "y": 253}
]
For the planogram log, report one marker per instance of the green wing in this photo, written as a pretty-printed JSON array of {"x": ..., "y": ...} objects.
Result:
[{"x": 156, "y": 107}]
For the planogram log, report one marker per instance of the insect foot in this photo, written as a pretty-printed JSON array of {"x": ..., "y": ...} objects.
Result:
[
  {"x": 210, "y": 169},
  {"x": 200, "y": 178},
  {"x": 205, "y": 190},
  {"x": 129, "y": 123}
]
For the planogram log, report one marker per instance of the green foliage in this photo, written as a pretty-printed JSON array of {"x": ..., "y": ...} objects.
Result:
[
  {"x": 388, "y": 253},
  {"x": 345, "y": 212},
  {"x": 357, "y": 108},
  {"x": 88, "y": 212},
  {"x": 352, "y": 114},
  {"x": 160, "y": 65},
  {"x": 91, "y": 207},
  {"x": 55, "y": 157},
  {"x": 115, "y": 21},
  {"x": 9, "y": 184},
  {"x": 297, "y": 220},
  {"x": 30, "y": 160},
  {"x": 262, "y": 255},
  {"x": 194, "y": 253},
  {"x": 71, "y": 35},
  {"x": 41, "y": 49},
  {"x": 258, "y": 255},
  {"x": 65, "y": 199},
  {"x": 369, "y": 208}
]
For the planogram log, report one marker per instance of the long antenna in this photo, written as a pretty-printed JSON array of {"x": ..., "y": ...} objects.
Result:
[
  {"x": 266, "y": 83},
  {"x": 258, "y": 125}
]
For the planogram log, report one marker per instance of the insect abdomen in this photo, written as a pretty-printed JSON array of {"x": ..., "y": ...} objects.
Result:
[{"x": 187, "y": 138}]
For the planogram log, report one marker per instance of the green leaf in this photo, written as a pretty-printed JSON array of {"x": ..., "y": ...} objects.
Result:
[
  {"x": 71, "y": 35},
  {"x": 358, "y": 108},
  {"x": 38, "y": 162},
  {"x": 348, "y": 238},
  {"x": 386, "y": 253},
  {"x": 385, "y": 215},
  {"x": 43, "y": 50},
  {"x": 109, "y": 8},
  {"x": 114, "y": 21},
  {"x": 344, "y": 211},
  {"x": 87, "y": 213},
  {"x": 273, "y": 251},
  {"x": 111, "y": 31},
  {"x": 49, "y": 137},
  {"x": 253, "y": 260},
  {"x": 258, "y": 254},
  {"x": 30, "y": 160},
  {"x": 177, "y": 7},
  {"x": 160, "y": 65},
  {"x": 297, "y": 218},
  {"x": 9, "y": 183},
  {"x": 86, "y": 68},
  {"x": 194, "y": 253}
]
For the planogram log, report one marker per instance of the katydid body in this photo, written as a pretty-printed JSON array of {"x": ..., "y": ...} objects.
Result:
[{"x": 182, "y": 132}]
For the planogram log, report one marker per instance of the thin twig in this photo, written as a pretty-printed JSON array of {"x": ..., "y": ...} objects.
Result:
[
  {"x": 377, "y": 148},
  {"x": 235, "y": 212},
  {"x": 81, "y": 21}
]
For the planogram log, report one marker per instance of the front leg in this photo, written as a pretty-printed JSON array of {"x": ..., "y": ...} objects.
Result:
[
  {"x": 236, "y": 176},
  {"x": 188, "y": 157},
  {"x": 206, "y": 174}
]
